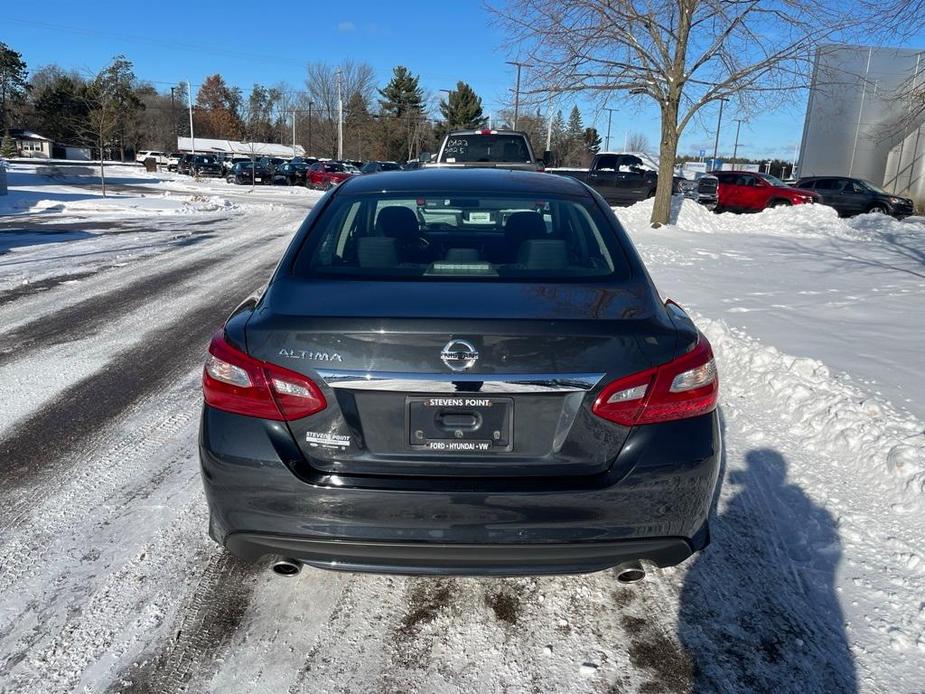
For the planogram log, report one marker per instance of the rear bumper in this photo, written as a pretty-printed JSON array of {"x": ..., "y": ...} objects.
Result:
[
  {"x": 421, "y": 558},
  {"x": 652, "y": 505}
]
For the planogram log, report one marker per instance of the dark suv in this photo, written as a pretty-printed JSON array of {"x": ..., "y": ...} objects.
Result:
[
  {"x": 462, "y": 371},
  {"x": 851, "y": 196}
]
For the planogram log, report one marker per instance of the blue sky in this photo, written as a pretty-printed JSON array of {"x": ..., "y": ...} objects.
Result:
[{"x": 263, "y": 42}]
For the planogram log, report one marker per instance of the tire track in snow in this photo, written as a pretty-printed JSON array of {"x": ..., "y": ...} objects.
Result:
[
  {"x": 79, "y": 320},
  {"x": 46, "y": 441},
  {"x": 209, "y": 618}
]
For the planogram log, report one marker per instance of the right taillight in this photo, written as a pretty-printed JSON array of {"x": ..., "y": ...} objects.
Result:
[
  {"x": 684, "y": 387},
  {"x": 236, "y": 382}
]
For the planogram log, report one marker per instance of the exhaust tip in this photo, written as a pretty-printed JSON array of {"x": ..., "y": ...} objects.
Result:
[
  {"x": 630, "y": 573},
  {"x": 287, "y": 567}
]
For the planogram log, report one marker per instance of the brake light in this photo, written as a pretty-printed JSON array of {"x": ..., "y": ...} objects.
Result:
[
  {"x": 236, "y": 382},
  {"x": 684, "y": 387}
]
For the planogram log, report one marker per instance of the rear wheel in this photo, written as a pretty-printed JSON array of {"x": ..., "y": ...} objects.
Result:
[
  {"x": 878, "y": 208},
  {"x": 779, "y": 203}
]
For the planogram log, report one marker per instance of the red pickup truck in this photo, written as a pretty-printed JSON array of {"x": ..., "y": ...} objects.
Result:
[{"x": 748, "y": 191}]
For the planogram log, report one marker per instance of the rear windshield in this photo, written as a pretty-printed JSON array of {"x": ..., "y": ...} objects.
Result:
[
  {"x": 509, "y": 149},
  {"x": 471, "y": 237}
]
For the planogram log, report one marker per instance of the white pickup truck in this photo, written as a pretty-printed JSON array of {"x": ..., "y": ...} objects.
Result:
[{"x": 159, "y": 157}]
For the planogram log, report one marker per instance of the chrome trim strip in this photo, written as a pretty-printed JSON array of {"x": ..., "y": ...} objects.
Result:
[{"x": 449, "y": 383}]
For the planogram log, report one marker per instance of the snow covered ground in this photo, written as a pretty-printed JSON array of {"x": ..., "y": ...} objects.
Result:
[{"x": 814, "y": 581}]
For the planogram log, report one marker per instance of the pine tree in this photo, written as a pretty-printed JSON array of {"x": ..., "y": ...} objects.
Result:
[
  {"x": 402, "y": 104},
  {"x": 402, "y": 95},
  {"x": 13, "y": 84},
  {"x": 592, "y": 141},
  {"x": 558, "y": 139},
  {"x": 462, "y": 109},
  {"x": 8, "y": 147},
  {"x": 574, "y": 138}
]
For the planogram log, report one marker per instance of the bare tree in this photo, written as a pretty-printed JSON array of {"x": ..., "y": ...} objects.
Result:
[
  {"x": 637, "y": 142},
  {"x": 104, "y": 99},
  {"x": 322, "y": 89},
  {"x": 683, "y": 54}
]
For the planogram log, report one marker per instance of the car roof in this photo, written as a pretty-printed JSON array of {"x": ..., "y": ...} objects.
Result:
[{"x": 451, "y": 179}]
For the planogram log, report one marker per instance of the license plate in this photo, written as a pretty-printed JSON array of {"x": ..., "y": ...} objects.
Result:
[
  {"x": 257, "y": 179},
  {"x": 460, "y": 424}
]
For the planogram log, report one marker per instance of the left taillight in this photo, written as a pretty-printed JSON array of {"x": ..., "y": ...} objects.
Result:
[
  {"x": 684, "y": 387},
  {"x": 236, "y": 382}
]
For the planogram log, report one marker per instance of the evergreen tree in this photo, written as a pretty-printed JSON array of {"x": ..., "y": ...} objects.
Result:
[
  {"x": 574, "y": 139},
  {"x": 592, "y": 141},
  {"x": 8, "y": 147},
  {"x": 402, "y": 106},
  {"x": 61, "y": 108},
  {"x": 462, "y": 109},
  {"x": 13, "y": 85},
  {"x": 402, "y": 95},
  {"x": 558, "y": 139}
]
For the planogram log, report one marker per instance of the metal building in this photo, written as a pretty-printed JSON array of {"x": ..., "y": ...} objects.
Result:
[{"x": 858, "y": 121}]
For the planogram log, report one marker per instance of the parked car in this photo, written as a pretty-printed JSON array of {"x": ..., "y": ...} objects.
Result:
[
  {"x": 291, "y": 173},
  {"x": 377, "y": 166},
  {"x": 184, "y": 164},
  {"x": 308, "y": 161},
  {"x": 159, "y": 157},
  {"x": 205, "y": 165},
  {"x": 271, "y": 163},
  {"x": 413, "y": 396},
  {"x": 749, "y": 191},
  {"x": 249, "y": 173},
  {"x": 703, "y": 188},
  {"x": 508, "y": 149},
  {"x": 173, "y": 160},
  {"x": 324, "y": 175},
  {"x": 851, "y": 196},
  {"x": 622, "y": 179}
]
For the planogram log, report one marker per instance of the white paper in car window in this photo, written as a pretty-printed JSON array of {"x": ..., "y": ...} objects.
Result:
[{"x": 451, "y": 160}]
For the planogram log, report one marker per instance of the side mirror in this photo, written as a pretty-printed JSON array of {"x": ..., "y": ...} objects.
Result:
[{"x": 548, "y": 157}]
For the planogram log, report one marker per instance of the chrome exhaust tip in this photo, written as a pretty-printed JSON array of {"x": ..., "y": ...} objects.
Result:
[
  {"x": 287, "y": 567},
  {"x": 631, "y": 572}
]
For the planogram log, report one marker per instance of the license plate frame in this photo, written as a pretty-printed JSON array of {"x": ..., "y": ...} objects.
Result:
[{"x": 462, "y": 424}]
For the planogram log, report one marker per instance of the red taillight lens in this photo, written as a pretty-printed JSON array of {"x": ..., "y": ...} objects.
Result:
[
  {"x": 236, "y": 382},
  {"x": 685, "y": 387}
]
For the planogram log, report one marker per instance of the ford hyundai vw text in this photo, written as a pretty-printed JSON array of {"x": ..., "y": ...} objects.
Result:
[{"x": 460, "y": 371}]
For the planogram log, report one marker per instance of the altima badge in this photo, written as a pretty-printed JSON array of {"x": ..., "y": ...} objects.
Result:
[
  {"x": 308, "y": 354},
  {"x": 459, "y": 355}
]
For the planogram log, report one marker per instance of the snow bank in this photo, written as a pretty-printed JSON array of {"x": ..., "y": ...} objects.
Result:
[
  {"x": 825, "y": 414},
  {"x": 27, "y": 202},
  {"x": 804, "y": 221}
]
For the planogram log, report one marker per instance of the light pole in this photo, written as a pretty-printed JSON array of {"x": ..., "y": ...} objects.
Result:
[
  {"x": 310, "y": 104},
  {"x": 293, "y": 133},
  {"x": 192, "y": 135},
  {"x": 735, "y": 150},
  {"x": 517, "y": 88},
  {"x": 609, "y": 116},
  {"x": 340, "y": 118},
  {"x": 719, "y": 124}
]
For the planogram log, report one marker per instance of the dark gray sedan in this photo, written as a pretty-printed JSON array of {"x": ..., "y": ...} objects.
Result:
[{"x": 460, "y": 371}]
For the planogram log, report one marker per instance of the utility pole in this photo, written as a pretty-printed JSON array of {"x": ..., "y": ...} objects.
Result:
[
  {"x": 173, "y": 113},
  {"x": 719, "y": 124},
  {"x": 310, "y": 104},
  {"x": 609, "y": 117},
  {"x": 189, "y": 95},
  {"x": 735, "y": 150},
  {"x": 517, "y": 88},
  {"x": 293, "y": 133},
  {"x": 340, "y": 118}
]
